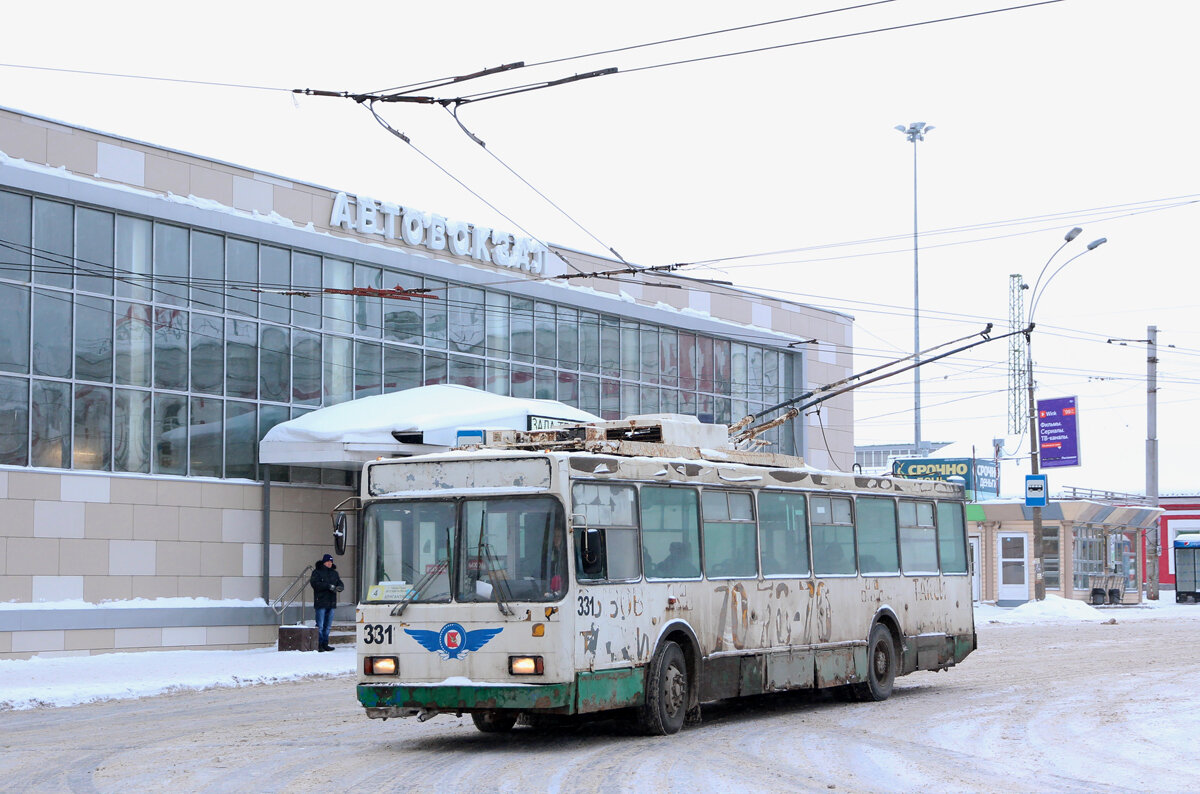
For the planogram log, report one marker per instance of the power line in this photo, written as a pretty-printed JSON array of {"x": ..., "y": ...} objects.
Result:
[
  {"x": 426, "y": 84},
  {"x": 526, "y": 182},
  {"x": 157, "y": 284},
  {"x": 836, "y": 37},
  {"x": 498, "y": 93},
  {"x": 370, "y": 106},
  {"x": 119, "y": 75},
  {"x": 940, "y": 245},
  {"x": 1066, "y": 216}
]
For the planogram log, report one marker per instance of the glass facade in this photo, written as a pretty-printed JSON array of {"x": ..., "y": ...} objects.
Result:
[{"x": 133, "y": 345}]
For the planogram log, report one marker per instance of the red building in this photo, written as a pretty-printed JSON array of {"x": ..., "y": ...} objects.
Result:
[{"x": 1182, "y": 515}]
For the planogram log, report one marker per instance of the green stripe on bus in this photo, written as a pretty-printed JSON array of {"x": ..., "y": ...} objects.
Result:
[
  {"x": 453, "y": 698},
  {"x": 610, "y": 689}
]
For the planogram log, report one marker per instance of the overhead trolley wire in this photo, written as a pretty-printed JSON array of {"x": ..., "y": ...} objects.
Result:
[
  {"x": 1067, "y": 216},
  {"x": 383, "y": 123},
  {"x": 225, "y": 286},
  {"x": 427, "y": 84},
  {"x": 511, "y": 170},
  {"x": 521, "y": 89},
  {"x": 91, "y": 73},
  {"x": 369, "y": 99},
  {"x": 157, "y": 284}
]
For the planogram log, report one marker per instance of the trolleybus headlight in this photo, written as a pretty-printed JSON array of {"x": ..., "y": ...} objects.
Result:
[
  {"x": 525, "y": 665},
  {"x": 381, "y": 665}
]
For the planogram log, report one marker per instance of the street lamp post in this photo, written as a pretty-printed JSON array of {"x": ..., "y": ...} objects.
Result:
[
  {"x": 1035, "y": 442},
  {"x": 916, "y": 132}
]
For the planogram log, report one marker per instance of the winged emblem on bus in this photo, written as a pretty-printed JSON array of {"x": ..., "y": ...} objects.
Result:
[{"x": 452, "y": 641}]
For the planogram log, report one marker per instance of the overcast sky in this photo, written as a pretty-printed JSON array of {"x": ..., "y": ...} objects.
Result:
[{"x": 1079, "y": 112}]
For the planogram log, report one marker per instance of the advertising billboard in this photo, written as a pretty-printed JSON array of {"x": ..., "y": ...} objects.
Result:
[
  {"x": 1058, "y": 432},
  {"x": 980, "y": 476}
]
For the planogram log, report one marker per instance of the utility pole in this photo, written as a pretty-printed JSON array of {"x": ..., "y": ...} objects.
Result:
[
  {"x": 1153, "y": 550},
  {"x": 1039, "y": 554},
  {"x": 1153, "y": 545}
]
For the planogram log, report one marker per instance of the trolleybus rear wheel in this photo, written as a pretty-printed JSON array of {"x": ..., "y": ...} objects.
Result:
[
  {"x": 494, "y": 721},
  {"x": 667, "y": 692},
  {"x": 881, "y": 666}
]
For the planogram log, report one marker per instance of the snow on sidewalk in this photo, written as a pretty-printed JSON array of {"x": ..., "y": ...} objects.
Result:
[{"x": 72, "y": 680}]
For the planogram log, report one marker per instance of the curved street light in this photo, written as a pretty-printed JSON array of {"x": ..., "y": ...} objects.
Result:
[{"x": 1035, "y": 441}]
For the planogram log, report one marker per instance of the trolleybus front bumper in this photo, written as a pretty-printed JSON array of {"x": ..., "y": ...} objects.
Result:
[{"x": 589, "y": 692}]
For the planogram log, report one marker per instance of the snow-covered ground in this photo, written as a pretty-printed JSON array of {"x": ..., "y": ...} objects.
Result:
[
  {"x": 72, "y": 680},
  {"x": 69, "y": 681}
]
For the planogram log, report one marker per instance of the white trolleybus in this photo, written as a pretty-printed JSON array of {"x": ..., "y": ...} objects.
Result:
[{"x": 645, "y": 565}]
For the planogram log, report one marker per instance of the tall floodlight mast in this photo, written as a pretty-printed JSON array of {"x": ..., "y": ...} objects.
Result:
[
  {"x": 912, "y": 133},
  {"x": 1018, "y": 411}
]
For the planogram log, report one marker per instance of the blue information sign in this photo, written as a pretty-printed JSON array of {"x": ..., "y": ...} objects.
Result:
[
  {"x": 1058, "y": 432},
  {"x": 1036, "y": 486}
]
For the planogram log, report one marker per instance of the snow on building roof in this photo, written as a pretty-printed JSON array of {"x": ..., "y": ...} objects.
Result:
[{"x": 427, "y": 418}]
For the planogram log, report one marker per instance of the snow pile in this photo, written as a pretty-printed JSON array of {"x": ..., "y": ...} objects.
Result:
[
  {"x": 1054, "y": 609},
  {"x": 136, "y": 603},
  {"x": 72, "y": 680}
]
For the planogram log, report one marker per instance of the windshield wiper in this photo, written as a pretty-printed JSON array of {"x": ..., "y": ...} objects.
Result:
[
  {"x": 499, "y": 583},
  {"x": 415, "y": 590}
]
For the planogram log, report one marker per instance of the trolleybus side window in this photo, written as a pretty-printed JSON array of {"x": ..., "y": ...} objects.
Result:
[
  {"x": 730, "y": 534},
  {"x": 405, "y": 543},
  {"x": 918, "y": 541},
  {"x": 515, "y": 550},
  {"x": 878, "y": 552},
  {"x": 783, "y": 530},
  {"x": 670, "y": 532},
  {"x": 952, "y": 545},
  {"x": 832, "y": 535},
  {"x": 609, "y": 551}
]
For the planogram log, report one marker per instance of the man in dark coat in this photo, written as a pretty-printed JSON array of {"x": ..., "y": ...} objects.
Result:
[{"x": 326, "y": 584}]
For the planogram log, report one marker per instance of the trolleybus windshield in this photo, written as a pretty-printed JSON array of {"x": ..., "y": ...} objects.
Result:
[{"x": 500, "y": 549}]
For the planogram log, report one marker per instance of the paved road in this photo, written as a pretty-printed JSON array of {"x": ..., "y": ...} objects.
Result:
[{"x": 1037, "y": 708}]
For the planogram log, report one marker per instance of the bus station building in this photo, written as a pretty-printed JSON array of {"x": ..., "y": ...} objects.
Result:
[{"x": 160, "y": 311}]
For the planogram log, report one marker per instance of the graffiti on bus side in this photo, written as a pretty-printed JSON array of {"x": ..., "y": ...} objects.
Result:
[
  {"x": 626, "y": 608},
  {"x": 930, "y": 589},
  {"x": 818, "y": 619},
  {"x": 623, "y": 607},
  {"x": 641, "y": 644},
  {"x": 775, "y": 626},
  {"x": 590, "y": 636}
]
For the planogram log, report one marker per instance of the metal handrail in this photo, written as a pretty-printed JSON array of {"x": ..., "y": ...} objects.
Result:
[
  {"x": 291, "y": 593},
  {"x": 1072, "y": 492}
]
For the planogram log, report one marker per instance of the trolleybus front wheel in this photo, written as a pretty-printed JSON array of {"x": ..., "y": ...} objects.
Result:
[
  {"x": 667, "y": 692},
  {"x": 494, "y": 721},
  {"x": 881, "y": 666}
]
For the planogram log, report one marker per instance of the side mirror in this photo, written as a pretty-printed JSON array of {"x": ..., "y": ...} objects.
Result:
[
  {"x": 339, "y": 533},
  {"x": 579, "y": 526},
  {"x": 592, "y": 552}
]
